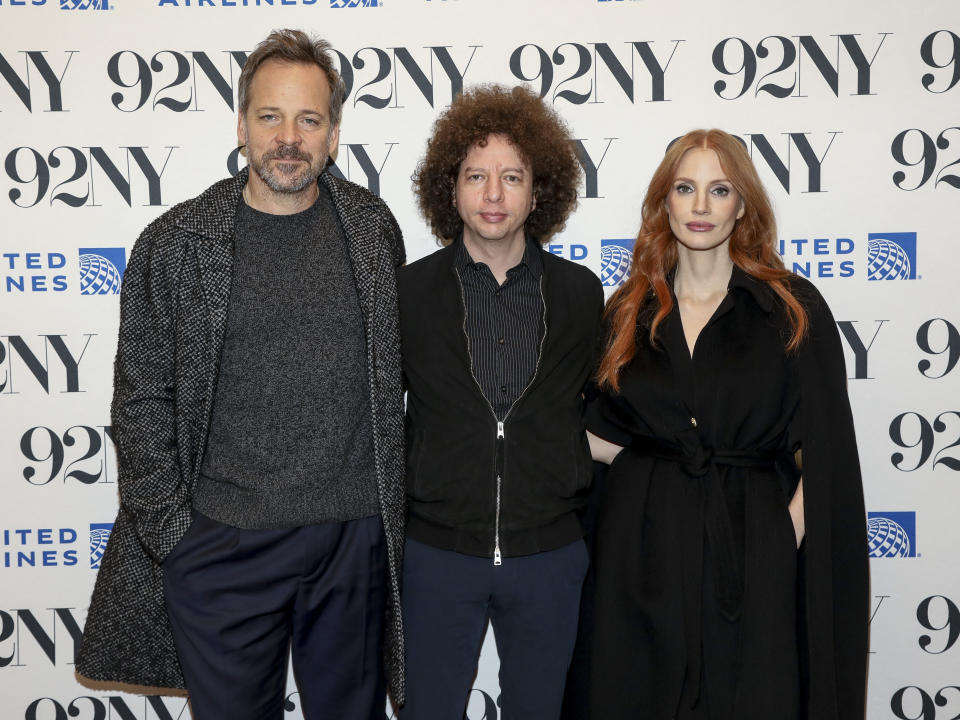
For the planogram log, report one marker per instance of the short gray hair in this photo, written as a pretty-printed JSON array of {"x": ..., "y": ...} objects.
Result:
[{"x": 294, "y": 46}]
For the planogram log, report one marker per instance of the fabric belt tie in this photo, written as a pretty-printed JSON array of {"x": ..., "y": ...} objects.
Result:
[{"x": 727, "y": 562}]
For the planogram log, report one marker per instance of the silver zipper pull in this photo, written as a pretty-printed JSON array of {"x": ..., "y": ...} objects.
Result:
[
  {"x": 497, "y": 560},
  {"x": 499, "y": 435}
]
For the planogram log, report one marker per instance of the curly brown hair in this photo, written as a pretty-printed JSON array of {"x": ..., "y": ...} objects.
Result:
[{"x": 537, "y": 132}]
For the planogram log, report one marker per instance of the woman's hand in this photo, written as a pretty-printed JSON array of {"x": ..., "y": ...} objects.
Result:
[
  {"x": 796, "y": 512},
  {"x": 602, "y": 450}
]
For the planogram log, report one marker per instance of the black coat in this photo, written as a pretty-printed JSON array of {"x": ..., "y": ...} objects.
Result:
[
  {"x": 454, "y": 452},
  {"x": 699, "y": 590},
  {"x": 173, "y": 311}
]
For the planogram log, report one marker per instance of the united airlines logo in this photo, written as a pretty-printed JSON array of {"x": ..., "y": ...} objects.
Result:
[
  {"x": 101, "y": 270},
  {"x": 99, "y": 534},
  {"x": 892, "y": 534},
  {"x": 84, "y": 5},
  {"x": 615, "y": 257},
  {"x": 354, "y": 3},
  {"x": 892, "y": 256}
]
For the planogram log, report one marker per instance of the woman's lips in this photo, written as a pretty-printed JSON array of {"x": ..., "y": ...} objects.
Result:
[{"x": 700, "y": 226}]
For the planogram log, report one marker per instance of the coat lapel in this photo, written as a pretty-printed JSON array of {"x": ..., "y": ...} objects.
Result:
[
  {"x": 210, "y": 219},
  {"x": 215, "y": 266},
  {"x": 362, "y": 238}
]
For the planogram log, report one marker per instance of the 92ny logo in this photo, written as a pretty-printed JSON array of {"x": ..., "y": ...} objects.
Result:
[
  {"x": 805, "y": 175},
  {"x": 58, "y": 371},
  {"x": 194, "y": 80},
  {"x": 389, "y": 65},
  {"x": 938, "y": 338},
  {"x": 922, "y": 439},
  {"x": 840, "y": 58},
  {"x": 372, "y": 76},
  {"x": 72, "y": 176},
  {"x": 24, "y": 632},
  {"x": 940, "y": 50},
  {"x": 933, "y": 440},
  {"x": 915, "y": 148},
  {"x": 941, "y": 616},
  {"x": 24, "y": 83},
  {"x": 131, "y": 71},
  {"x": 83, "y": 454},
  {"x": 533, "y": 64},
  {"x": 775, "y": 66},
  {"x": 915, "y": 703},
  {"x": 89, "y": 707}
]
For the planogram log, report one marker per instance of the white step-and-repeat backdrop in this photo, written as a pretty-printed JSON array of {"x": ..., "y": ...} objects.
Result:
[{"x": 112, "y": 111}]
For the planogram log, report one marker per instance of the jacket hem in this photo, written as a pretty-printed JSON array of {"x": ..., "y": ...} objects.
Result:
[{"x": 513, "y": 543}]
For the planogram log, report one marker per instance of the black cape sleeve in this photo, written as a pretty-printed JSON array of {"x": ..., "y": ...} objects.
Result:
[{"x": 836, "y": 561}]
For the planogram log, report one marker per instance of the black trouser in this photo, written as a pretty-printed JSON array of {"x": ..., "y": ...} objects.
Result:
[
  {"x": 238, "y": 600},
  {"x": 532, "y": 603}
]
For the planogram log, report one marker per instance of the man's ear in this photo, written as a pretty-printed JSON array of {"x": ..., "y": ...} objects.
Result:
[
  {"x": 333, "y": 141},
  {"x": 241, "y": 131}
]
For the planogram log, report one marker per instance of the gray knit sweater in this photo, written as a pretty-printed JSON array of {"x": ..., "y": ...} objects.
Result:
[{"x": 290, "y": 436}]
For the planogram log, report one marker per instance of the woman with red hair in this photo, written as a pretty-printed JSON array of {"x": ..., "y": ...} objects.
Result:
[{"x": 729, "y": 581}]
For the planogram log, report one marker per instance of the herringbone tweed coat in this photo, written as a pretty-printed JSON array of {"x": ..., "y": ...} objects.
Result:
[{"x": 173, "y": 312}]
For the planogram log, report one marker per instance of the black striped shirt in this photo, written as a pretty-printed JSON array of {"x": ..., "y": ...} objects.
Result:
[{"x": 504, "y": 325}]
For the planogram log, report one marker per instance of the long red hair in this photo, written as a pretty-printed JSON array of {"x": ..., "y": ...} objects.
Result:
[{"x": 752, "y": 248}]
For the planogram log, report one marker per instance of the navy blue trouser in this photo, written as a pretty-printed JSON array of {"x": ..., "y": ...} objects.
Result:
[
  {"x": 239, "y": 600},
  {"x": 532, "y": 603}
]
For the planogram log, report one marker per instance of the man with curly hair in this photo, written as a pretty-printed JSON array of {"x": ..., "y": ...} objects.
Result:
[{"x": 497, "y": 337}]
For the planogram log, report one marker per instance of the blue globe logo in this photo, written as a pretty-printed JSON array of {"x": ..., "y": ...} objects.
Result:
[
  {"x": 614, "y": 264},
  {"x": 886, "y": 260},
  {"x": 887, "y": 538},
  {"x": 98, "y": 276},
  {"x": 98, "y": 544}
]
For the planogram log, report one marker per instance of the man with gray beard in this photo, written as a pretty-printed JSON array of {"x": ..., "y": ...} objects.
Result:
[{"x": 258, "y": 420}]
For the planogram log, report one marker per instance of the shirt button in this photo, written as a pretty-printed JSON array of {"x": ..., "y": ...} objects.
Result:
[
  {"x": 500, "y": 340},
  {"x": 693, "y": 421},
  {"x": 503, "y": 388}
]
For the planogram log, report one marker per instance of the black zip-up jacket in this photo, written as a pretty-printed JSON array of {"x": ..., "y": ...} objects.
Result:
[{"x": 473, "y": 486}]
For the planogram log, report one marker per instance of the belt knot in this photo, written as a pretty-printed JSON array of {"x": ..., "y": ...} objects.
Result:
[{"x": 696, "y": 458}]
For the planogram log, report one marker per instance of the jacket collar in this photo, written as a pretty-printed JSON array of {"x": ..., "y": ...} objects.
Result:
[
  {"x": 739, "y": 280},
  {"x": 212, "y": 213},
  {"x": 762, "y": 294},
  {"x": 532, "y": 257}
]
